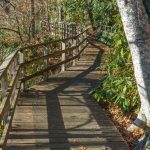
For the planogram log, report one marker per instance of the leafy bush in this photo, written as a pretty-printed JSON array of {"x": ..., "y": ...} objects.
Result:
[{"x": 119, "y": 86}]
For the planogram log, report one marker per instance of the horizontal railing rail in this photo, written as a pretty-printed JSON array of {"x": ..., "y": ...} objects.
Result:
[{"x": 14, "y": 71}]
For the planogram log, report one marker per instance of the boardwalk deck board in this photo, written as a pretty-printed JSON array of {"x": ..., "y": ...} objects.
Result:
[{"x": 59, "y": 114}]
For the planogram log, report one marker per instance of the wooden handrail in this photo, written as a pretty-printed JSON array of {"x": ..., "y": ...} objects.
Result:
[
  {"x": 54, "y": 54},
  {"x": 13, "y": 77},
  {"x": 38, "y": 73},
  {"x": 51, "y": 42}
]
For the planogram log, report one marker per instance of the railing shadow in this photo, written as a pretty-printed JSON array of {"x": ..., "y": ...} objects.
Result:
[{"x": 59, "y": 133}]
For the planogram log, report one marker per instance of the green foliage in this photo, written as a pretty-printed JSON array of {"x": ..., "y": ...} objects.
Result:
[
  {"x": 103, "y": 11},
  {"x": 75, "y": 10},
  {"x": 119, "y": 87}
]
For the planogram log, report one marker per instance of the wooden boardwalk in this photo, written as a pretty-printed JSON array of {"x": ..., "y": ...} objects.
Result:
[{"x": 59, "y": 114}]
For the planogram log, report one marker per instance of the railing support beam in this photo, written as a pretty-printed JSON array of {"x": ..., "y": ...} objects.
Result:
[
  {"x": 22, "y": 72},
  {"x": 46, "y": 63},
  {"x": 63, "y": 57},
  {"x": 74, "y": 51}
]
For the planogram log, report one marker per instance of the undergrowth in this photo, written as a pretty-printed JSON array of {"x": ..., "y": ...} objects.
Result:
[{"x": 119, "y": 86}]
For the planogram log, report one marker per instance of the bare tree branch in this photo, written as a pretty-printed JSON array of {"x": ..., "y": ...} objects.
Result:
[{"x": 17, "y": 32}]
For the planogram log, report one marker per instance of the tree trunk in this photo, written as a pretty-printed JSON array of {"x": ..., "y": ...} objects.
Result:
[
  {"x": 59, "y": 11},
  {"x": 33, "y": 18},
  {"x": 90, "y": 13},
  {"x": 137, "y": 29}
]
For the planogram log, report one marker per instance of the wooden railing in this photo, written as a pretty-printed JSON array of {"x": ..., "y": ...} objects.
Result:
[
  {"x": 39, "y": 59},
  {"x": 61, "y": 29}
]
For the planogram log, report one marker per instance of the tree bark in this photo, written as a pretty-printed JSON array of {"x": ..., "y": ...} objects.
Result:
[
  {"x": 33, "y": 18},
  {"x": 90, "y": 13},
  {"x": 137, "y": 29},
  {"x": 59, "y": 11}
]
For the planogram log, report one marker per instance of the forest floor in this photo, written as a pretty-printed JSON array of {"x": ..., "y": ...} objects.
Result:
[{"x": 122, "y": 121}]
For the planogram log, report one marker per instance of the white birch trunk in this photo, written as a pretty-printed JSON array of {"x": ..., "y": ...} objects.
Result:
[{"x": 137, "y": 29}]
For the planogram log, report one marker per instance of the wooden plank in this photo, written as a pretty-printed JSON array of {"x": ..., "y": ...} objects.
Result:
[
  {"x": 74, "y": 119},
  {"x": 75, "y": 97},
  {"x": 101, "y": 128},
  {"x": 72, "y": 115},
  {"x": 51, "y": 117},
  {"x": 104, "y": 131},
  {"x": 65, "y": 109},
  {"x": 68, "y": 146},
  {"x": 52, "y": 103},
  {"x": 58, "y": 126},
  {"x": 72, "y": 139}
]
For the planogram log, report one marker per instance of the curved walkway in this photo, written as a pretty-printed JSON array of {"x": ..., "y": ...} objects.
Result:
[{"x": 59, "y": 114}]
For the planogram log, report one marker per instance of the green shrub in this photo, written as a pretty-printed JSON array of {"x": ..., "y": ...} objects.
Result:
[{"x": 119, "y": 86}]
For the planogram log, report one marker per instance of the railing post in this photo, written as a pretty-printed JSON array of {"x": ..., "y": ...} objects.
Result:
[
  {"x": 75, "y": 31},
  {"x": 62, "y": 30},
  {"x": 4, "y": 88},
  {"x": 1, "y": 56},
  {"x": 13, "y": 68},
  {"x": 69, "y": 30},
  {"x": 84, "y": 36},
  {"x": 4, "y": 84},
  {"x": 22, "y": 72},
  {"x": 59, "y": 29},
  {"x": 46, "y": 62},
  {"x": 65, "y": 30},
  {"x": 80, "y": 40},
  {"x": 63, "y": 56},
  {"x": 74, "y": 52},
  {"x": 72, "y": 29}
]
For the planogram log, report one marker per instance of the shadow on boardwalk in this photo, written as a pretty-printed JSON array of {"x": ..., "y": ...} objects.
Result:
[
  {"x": 63, "y": 116},
  {"x": 54, "y": 95}
]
